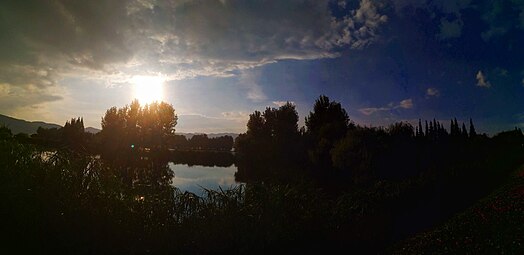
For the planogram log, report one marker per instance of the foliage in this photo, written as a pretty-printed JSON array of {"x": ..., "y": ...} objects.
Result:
[
  {"x": 202, "y": 142},
  {"x": 333, "y": 185},
  {"x": 493, "y": 225},
  {"x": 274, "y": 129},
  {"x": 135, "y": 126},
  {"x": 325, "y": 125}
]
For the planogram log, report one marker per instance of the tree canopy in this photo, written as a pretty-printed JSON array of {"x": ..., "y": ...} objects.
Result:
[{"x": 136, "y": 126}]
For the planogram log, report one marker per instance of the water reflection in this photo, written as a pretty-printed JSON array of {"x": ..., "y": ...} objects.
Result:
[{"x": 194, "y": 178}]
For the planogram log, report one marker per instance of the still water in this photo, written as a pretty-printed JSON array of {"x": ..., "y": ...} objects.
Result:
[{"x": 194, "y": 178}]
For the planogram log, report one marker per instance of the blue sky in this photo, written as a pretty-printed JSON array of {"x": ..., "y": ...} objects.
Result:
[{"x": 385, "y": 61}]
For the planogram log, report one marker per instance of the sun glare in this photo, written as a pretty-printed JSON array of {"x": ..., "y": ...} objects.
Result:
[{"x": 148, "y": 89}]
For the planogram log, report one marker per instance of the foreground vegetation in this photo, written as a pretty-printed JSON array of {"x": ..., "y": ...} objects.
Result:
[
  {"x": 332, "y": 185},
  {"x": 494, "y": 225},
  {"x": 74, "y": 203}
]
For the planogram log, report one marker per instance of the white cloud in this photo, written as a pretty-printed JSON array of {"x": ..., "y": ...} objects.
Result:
[
  {"x": 236, "y": 115},
  {"x": 432, "y": 92},
  {"x": 281, "y": 103},
  {"x": 482, "y": 81},
  {"x": 404, "y": 104},
  {"x": 248, "y": 80},
  {"x": 372, "y": 110}
]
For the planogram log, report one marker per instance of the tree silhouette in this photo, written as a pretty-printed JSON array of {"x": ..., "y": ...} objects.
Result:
[
  {"x": 73, "y": 134},
  {"x": 464, "y": 131},
  {"x": 325, "y": 125},
  {"x": 271, "y": 137},
  {"x": 134, "y": 126},
  {"x": 275, "y": 128},
  {"x": 5, "y": 133},
  {"x": 420, "y": 132},
  {"x": 472, "y": 132}
]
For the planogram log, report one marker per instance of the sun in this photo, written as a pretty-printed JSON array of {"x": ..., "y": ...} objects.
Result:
[{"x": 148, "y": 89}]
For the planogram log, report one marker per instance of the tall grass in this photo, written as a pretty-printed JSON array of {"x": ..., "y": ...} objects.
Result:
[{"x": 73, "y": 203}]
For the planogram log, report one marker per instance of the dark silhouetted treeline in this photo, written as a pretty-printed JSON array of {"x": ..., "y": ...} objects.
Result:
[
  {"x": 202, "y": 158},
  {"x": 330, "y": 186},
  {"x": 201, "y": 142},
  {"x": 433, "y": 172}
]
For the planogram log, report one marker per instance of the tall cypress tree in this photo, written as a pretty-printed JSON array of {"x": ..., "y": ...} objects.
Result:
[
  {"x": 452, "y": 128},
  {"x": 457, "y": 128},
  {"x": 464, "y": 130},
  {"x": 427, "y": 131},
  {"x": 431, "y": 129},
  {"x": 472, "y": 131},
  {"x": 420, "y": 128}
]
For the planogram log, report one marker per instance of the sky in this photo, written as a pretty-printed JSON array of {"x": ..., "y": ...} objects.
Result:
[{"x": 216, "y": 61}]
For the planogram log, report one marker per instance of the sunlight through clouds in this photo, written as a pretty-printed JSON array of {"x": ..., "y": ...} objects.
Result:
[{"x": 148, "y": 89}]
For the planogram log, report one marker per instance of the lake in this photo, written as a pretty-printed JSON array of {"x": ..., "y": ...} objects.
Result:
[{"x": 194, "y": 178}]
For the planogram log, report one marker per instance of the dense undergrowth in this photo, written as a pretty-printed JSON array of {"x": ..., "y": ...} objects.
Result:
[
  {"x": 65, "y": 202},
  {"x": 494, "y": 225}
]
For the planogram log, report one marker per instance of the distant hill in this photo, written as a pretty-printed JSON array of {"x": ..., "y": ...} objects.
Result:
[
  {"x": 211, "y": 135},
  {"x": 23, "y": 126},
  {"x": 30, "y": 127},
  {"x": 92, "y": 130}
]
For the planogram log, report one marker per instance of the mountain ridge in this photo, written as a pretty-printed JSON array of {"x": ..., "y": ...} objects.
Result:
[{"x": 30, "y": 127}]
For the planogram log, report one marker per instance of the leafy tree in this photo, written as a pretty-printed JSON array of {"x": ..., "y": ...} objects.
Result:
[
  {"x": 272, "y": 136},
  {"x": 256, "y": 125},
  {"x": 325, "y": 125},
  {"x": 328, "y": 120},
  {"x": 5, "y": 133},
  {"x": 135, "y": 126},
  {"x": 73, "y": 134},
  {"x": 22, "y": 137}
]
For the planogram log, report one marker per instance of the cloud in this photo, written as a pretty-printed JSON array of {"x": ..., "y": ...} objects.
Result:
[
  {"x": 482, "y": 81},
  {"x": 281, "y": 103},
  {"x": 404, "y": 104},
  {"x": 453, "y": 7},
  {"x": 450, "y": 29},
  {"x": 197, "y": 37},
  {"x": 523, "y": 82},
  {"x": 248, "y": 79},
  {"x": 501, "y": 19},
  {"x": 342, "y": 4},
  {"x": 44, "y": 41},
  {"x": 211, "y": 38},
  {"x": 13, "y": 98},
  {"x": 432, "y": 92},
  {"x": 448, "y": 11},
  {"x": 238, "y": 115},
  {"x": 370, "y": 111}
]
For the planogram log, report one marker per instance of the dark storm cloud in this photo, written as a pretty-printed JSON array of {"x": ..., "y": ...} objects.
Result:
[
  {"x": 42, "y": 40},
  {"x": 87, "y": 33}
]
